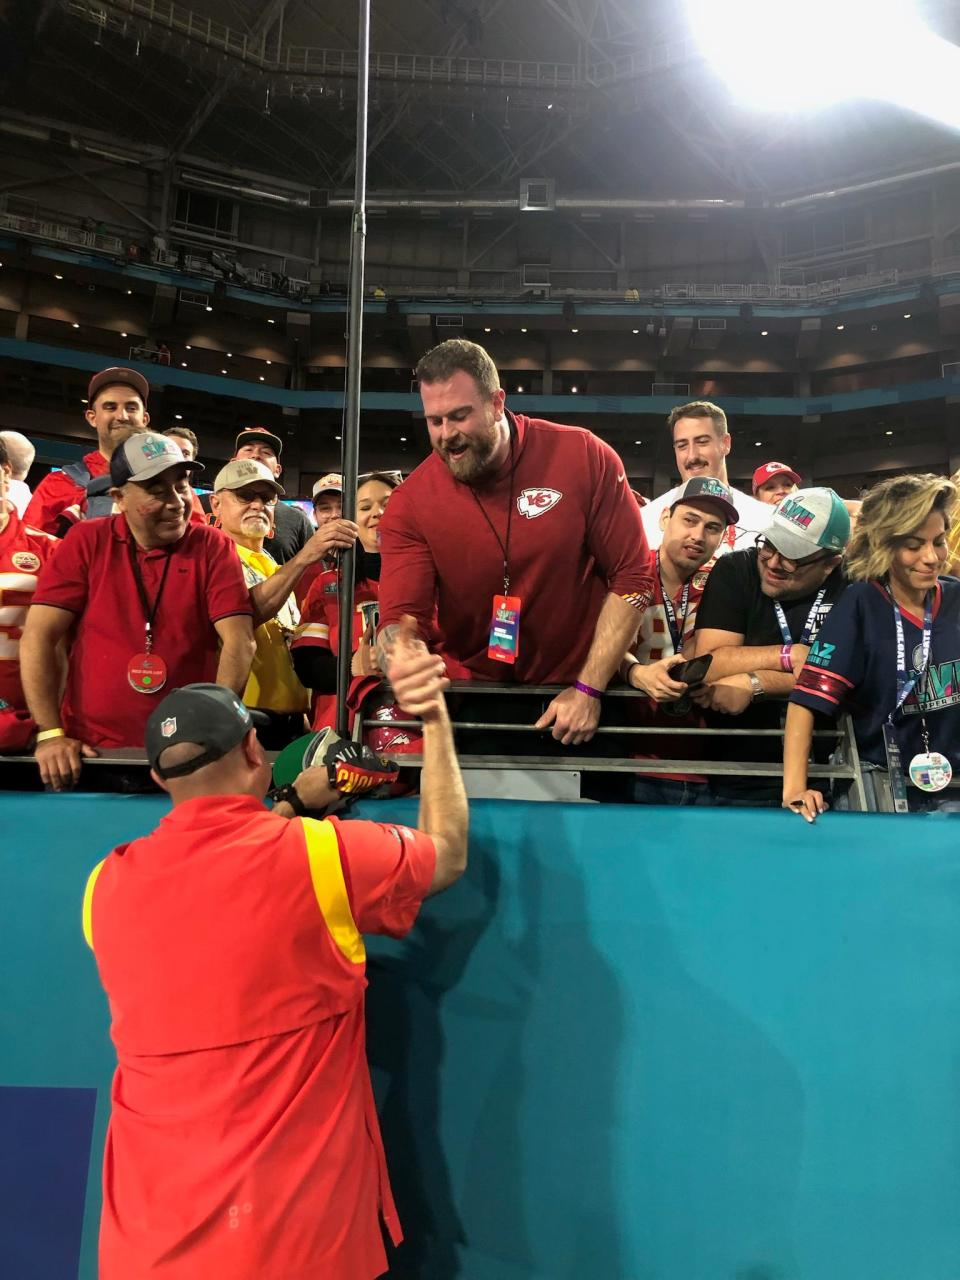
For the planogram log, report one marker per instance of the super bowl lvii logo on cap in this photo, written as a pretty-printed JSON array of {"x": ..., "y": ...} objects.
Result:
[
  {"x": 796, "y": 513},
  {"x": 156, "y": 446},
  {"x": 709, "y": 484}
]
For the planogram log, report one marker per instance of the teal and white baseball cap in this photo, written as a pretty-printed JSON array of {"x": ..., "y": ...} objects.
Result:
[{"x": 809, "y": 521}]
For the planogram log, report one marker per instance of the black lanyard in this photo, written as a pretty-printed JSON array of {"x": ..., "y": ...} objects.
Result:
[
  {"x": 504, "y": 546},
  {"x": 676, "y": 631},
  {"x": 806, "y": 634},
  {"x": 149, "y": 611},
  {"x": 906, "y": 682}
]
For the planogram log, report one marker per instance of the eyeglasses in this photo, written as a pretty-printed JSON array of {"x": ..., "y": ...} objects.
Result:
[
  {"x": 766, "y": 549},
  {"x": 249, "y": 496}
]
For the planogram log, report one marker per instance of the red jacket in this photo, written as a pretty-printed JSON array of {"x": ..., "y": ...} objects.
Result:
[
  {"x": 575, "y": 535},
  {"x": 320, "y": 628},
  {"x": 23, "y": 553},
  {"x": 58, "y": 501},
  {"x": 57, "y": 498}
]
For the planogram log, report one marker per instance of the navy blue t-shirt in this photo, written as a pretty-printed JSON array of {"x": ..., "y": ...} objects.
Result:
[{"x": 853, "y": 667}]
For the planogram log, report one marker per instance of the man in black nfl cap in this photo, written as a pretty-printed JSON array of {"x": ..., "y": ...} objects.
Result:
[
  {"x": 230, "y": 945},
  {"x": 150, "y": 601},
  {"x": 292, "y": 527}
]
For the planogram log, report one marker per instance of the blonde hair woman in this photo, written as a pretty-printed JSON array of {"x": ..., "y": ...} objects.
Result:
[{"x": 887, "y": 651}]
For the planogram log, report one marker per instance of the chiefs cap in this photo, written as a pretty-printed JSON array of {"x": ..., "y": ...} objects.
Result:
[
  {"x": 330, "y": 483},
  {"x": 259, "y": 435},
  {"x": 145, "y": 456},
  {"x": 771, "y": 469},
  {"x": 206, "y": 715},
  {"x": 240, "y": 472},
  {"x": 115, "y": 378},
  {"x": 809, "y": 521},
  {"x": 707, "y": 489}
]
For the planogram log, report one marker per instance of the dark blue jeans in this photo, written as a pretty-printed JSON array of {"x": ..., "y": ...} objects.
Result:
[{"x": 668, "y": 791}]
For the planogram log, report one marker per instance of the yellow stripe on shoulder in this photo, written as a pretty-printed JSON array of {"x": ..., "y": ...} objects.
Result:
[
  {"x": 326, "y": 872},
  {"x": 88, "y": 902}
]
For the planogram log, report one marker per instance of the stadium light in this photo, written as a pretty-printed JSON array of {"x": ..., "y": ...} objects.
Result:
[{"x": 776, "y": 57}]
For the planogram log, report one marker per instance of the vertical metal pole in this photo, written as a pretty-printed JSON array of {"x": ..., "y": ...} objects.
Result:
[{"x": 350, "y": 451}]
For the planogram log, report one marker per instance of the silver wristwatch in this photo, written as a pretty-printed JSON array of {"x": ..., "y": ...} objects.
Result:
[{"x": 756, "y": 686}]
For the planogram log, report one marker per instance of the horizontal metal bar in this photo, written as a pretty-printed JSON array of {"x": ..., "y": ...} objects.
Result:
[
  {"x": 617, "y": 764},
  {"x": 655, "y": 730}
]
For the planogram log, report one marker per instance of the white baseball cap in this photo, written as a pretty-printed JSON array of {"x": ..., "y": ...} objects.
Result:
[
  {"x": 809, "y": 521},
  {"x": 330, "y": 483}
]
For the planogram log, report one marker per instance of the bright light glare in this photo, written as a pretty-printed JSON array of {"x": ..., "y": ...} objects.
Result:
[{"x": 775, "y": 56}]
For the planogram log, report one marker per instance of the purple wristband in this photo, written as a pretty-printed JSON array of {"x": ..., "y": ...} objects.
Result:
[{"x": 588, "y": 690}]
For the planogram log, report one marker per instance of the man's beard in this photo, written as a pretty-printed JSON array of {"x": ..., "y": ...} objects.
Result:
[
  {"x": 255, "y": 526},
  {"x": 475, "y": 465}
]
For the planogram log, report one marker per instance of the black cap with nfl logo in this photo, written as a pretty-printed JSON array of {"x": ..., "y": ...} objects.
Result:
[{"x": 205, "y": 715}]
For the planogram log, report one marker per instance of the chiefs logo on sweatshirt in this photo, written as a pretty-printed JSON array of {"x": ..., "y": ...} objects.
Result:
[{"x": 534, "y": 502}]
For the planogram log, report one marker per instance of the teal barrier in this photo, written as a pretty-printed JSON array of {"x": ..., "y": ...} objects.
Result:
[{"x": 629, "y": 1045}]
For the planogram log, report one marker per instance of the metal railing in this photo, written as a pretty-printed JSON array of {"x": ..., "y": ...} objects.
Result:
[
  {"x": 844, "y": 766},
  {"x": 518, "y": 771},
  {"x": 61, "y": 233},
  {"x": 783, "y": 292},
  {"x": 263, "y": 52}
]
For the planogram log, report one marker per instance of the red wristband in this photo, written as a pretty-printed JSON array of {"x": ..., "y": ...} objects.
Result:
[
  {"x": 786, "y": 659},
  {"x": 588, "y": 690}
]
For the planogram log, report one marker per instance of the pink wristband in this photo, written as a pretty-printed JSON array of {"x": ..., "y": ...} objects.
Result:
[
  {"x": 786, "y": 659},
  {"x": 588, "y": 690}
]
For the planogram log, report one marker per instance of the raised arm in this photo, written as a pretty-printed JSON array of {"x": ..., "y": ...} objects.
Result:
[
  {"x": 269, "y": 597},
  {"x": 419, "y": 683}
]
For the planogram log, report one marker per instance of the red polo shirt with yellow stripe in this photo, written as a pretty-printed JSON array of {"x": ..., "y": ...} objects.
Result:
[{"x": 243, "y": 1141}]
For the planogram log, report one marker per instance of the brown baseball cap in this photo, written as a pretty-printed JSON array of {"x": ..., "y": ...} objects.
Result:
[
  {"x": 118, "y": 377},
  {"x": 259, "y": 435}
]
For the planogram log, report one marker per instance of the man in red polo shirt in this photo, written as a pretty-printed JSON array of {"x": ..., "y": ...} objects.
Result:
[
  {"x": 23, "y": 551},
  {"x": 243, "y": 1142},
  {"x": 148, "y": 600},
  {"x": 116, "y": 410},
  {"x": 523, "y": 535}
]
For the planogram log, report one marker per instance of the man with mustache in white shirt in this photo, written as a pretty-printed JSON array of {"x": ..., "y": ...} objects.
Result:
[{"x": 701, "y": 444}]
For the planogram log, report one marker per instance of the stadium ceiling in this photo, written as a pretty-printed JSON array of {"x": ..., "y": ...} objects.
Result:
[{"x": 602, "y": 96}]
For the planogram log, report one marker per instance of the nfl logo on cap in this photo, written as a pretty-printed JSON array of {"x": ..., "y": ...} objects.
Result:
[{"x": 168, "y": 727}]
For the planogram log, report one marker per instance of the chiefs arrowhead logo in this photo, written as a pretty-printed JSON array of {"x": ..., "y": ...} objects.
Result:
[{"x": 534, "y": 502}]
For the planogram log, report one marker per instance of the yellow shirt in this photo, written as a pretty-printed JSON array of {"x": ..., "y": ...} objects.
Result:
[{"x": 273, "y": 683}]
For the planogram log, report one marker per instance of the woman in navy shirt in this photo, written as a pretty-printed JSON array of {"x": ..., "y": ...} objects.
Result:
[{"x": 889, "y": 651}]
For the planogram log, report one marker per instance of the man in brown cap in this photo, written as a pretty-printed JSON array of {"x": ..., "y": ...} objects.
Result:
[{"x": 116, "y": 410}]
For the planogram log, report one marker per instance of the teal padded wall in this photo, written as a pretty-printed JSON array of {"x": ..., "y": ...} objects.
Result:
[{"x": 634, "y": 1044}]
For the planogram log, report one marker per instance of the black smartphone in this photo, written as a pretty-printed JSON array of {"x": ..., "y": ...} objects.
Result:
[{"x": 692, "y": 672}]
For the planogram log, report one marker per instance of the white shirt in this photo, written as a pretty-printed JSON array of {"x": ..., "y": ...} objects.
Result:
[
  {"x": 754, "y": 516},
  {"x": 18, "y": 491}
]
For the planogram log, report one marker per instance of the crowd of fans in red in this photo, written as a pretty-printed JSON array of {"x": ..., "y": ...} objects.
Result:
[{"x": 522, "y": 555}]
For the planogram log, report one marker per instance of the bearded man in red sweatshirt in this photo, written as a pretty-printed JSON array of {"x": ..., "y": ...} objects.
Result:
[{"x": 517, "y": 545}]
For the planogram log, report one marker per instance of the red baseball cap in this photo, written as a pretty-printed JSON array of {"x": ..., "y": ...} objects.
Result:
[{"x": 771, "y": 469}]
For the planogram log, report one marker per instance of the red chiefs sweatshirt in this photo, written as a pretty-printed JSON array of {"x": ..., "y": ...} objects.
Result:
[{"x": 575, "y": 535}]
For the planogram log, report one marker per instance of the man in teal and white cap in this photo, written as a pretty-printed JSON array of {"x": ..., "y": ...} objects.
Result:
[{"x": 760, "y": 612}]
